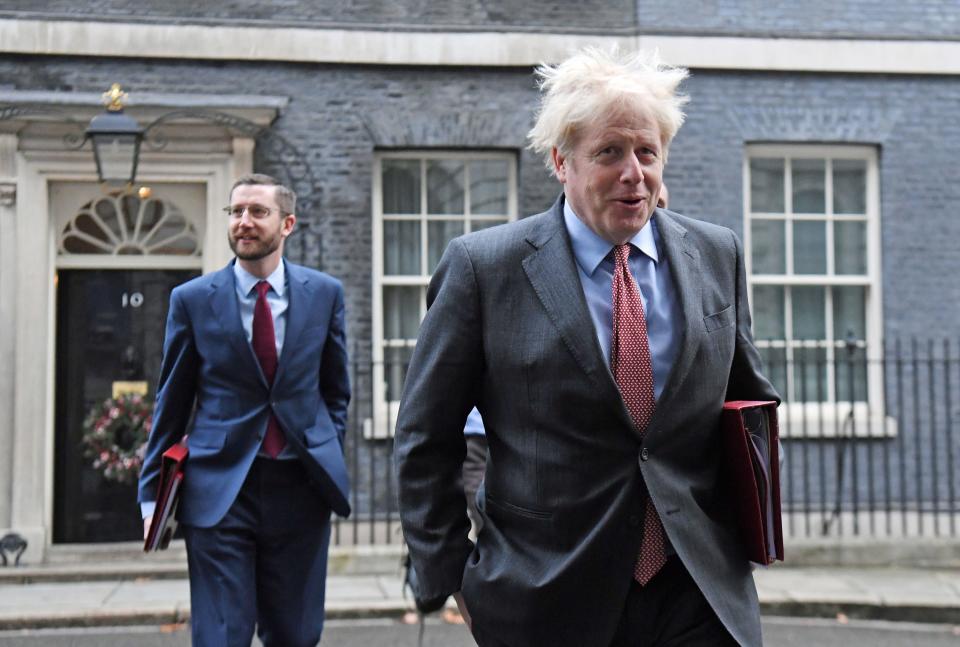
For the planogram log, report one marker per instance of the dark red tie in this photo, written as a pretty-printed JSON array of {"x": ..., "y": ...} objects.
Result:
[
  {"x": 633, "y": 371},
  {"x": 265, "y": 348}
]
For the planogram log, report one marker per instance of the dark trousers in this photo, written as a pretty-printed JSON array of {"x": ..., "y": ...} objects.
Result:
[
  {"x": 474, "y": 467},
  {"x": 670, "y": 611},
  {"x": 264, "y": 564}
]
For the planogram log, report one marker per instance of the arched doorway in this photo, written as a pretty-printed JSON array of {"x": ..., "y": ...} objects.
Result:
[{"x": 118, "y": 258}]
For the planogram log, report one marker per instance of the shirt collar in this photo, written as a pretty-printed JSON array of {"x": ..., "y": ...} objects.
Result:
[
  {"x": 590, "y": 249},
  {"x": 247, "y": 281}
]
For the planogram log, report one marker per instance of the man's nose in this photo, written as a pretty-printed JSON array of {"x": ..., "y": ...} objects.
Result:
[{"x": 632, "y": 170}]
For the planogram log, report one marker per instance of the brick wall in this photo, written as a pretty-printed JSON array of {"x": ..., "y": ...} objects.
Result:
[
  {"x": 339, "y": 115},
  {"x": 912, "y": 122},
  {"x": 784, "y": 18}
]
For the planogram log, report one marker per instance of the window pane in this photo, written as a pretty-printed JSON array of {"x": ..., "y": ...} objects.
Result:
[
  {"x": 850, "y": 247},
  {"x": 766, "y": 185},
  {"x": 488, "y": 186},
  {"x": 850, "y": 312},
  {"x": 767, "y": 247},
  {"x": 810, "y": 374},
  {"x": 768, "y": 312},
  {"x": 439, "y": 233},
  {"x": 401, "y": 186},
  {"x": 444, "y": 187},
  {"x": 809, "y": 247},
  {"x": 852, "y": 375},
  {"x": 401, "y": 312},
  {"x": 809, "y": 320},
  {"x": 775, "y": 368},
  {"x": 809, "y": 191},
  {"x": 396, "y": 361},
  {"x": 850, "y": 186},
  {"x": 477, "y": 225},
  {"x": 401, "y": 247}
]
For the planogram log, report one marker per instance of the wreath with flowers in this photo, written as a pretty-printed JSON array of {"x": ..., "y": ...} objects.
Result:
[{"x": 115, "y": 436}]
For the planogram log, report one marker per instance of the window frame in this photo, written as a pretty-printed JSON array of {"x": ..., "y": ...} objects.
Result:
[
  {"x": 796, "y": 413},
  {"x": 385, "y": 412}
]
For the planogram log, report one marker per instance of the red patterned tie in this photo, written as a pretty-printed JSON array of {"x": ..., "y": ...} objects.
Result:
[
  {"x": 265, "y": 348},
  {"x": 633, "y": 371}
]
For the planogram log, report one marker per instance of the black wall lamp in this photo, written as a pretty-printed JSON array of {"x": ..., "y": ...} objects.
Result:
[{"x": 116, "y": 141}]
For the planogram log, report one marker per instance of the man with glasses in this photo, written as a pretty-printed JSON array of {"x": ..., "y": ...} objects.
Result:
[{"x": 254, "y": 372}]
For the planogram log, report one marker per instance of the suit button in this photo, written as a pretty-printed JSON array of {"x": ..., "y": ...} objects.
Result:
[
  {"x": 644, "y": 454},
  {"x": 633, "y": 521}
]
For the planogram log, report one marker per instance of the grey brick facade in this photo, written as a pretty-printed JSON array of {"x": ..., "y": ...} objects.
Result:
[
  {"x": 339, "y": 116},
  {"x": 912, "y": 122},
  {"x": 810, "y": 18}
]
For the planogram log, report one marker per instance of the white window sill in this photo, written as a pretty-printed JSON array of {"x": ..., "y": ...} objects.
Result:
[
  {"x": 813, "y": 421},
  {"x": 382, "y": 425}
]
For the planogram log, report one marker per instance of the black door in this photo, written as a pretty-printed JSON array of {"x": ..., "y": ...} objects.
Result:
[{"x": 110, "y": 326}]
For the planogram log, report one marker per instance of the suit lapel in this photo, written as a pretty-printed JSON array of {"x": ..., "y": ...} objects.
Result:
[
  {"x": 297, "y": 298},
  {"x": 684, "y": 261},
  {"x": 551, "y": 270},
  {"x": 226, "y": 309}
]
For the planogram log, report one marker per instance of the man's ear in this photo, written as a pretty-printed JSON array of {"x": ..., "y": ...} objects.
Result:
[
  {"x": 559, "y": 164},
  {"x": 289, "y": 221}
]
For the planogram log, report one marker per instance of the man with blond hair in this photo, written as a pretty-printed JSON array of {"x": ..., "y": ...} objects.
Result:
[{"x": 599, "y": 341}]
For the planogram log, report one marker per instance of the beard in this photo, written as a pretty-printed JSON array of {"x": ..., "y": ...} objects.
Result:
[{"x": 260, "y": 248}]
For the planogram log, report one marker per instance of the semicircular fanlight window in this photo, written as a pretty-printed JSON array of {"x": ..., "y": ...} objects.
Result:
[{"x": 126, "y": 225}]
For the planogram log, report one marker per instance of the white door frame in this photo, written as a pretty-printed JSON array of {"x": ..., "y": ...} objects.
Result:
[{"x": 32, "y": 458}]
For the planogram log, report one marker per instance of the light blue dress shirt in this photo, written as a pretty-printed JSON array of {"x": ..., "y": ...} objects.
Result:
[
  {"x": 474, "y": 424},
  {"x": 277, "y": 297},
  {"x": 650, "y": 269}
]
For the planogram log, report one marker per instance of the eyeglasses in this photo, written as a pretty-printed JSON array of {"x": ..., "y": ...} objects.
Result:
[{"x": 256, "y": 211}]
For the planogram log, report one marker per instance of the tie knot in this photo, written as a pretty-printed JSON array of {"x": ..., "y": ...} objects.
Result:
[
  {"x": 262, "y": 287},
  {"x": 620, "y": 254}
]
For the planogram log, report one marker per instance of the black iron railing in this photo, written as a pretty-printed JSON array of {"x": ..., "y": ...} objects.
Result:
[
  {"x": 870, "y": 436},
  {"x": 884, "y": 462}
]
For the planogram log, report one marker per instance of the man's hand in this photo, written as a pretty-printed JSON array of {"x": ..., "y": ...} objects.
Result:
[
  {"x": 458, "y": 597},
  {"x": 146, "y": 526}
]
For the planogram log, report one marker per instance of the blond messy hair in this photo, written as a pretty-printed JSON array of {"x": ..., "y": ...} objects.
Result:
[{"x": 595, "y": 83}]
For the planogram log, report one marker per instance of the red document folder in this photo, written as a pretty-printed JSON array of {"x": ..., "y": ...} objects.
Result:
[
  {"x": 164, "y": 522},
  {"x": 752, "y": 463}
]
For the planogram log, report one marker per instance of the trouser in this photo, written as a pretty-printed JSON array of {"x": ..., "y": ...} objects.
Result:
[
  {"x": 670, "y": 611},
  {"x": 263, "y": 565},
  {"x": 474, "y": 467}
]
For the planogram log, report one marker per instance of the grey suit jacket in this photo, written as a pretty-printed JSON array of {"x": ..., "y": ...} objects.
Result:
[{"x": 508, "y": 330}]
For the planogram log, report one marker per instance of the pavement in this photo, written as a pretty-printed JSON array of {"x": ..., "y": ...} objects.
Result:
[{"x": 869, "y": 581}]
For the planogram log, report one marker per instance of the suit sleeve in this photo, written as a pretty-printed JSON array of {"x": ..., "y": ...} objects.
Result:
[
  {"x": 334, "y": 369},
  {"x": 746, "y": 381},
  {"x": 176, "y": 393},
  {"x": 440, "y": 389}
]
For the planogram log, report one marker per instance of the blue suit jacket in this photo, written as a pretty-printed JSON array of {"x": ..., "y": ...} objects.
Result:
[{"x": 209, "y": 370}]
